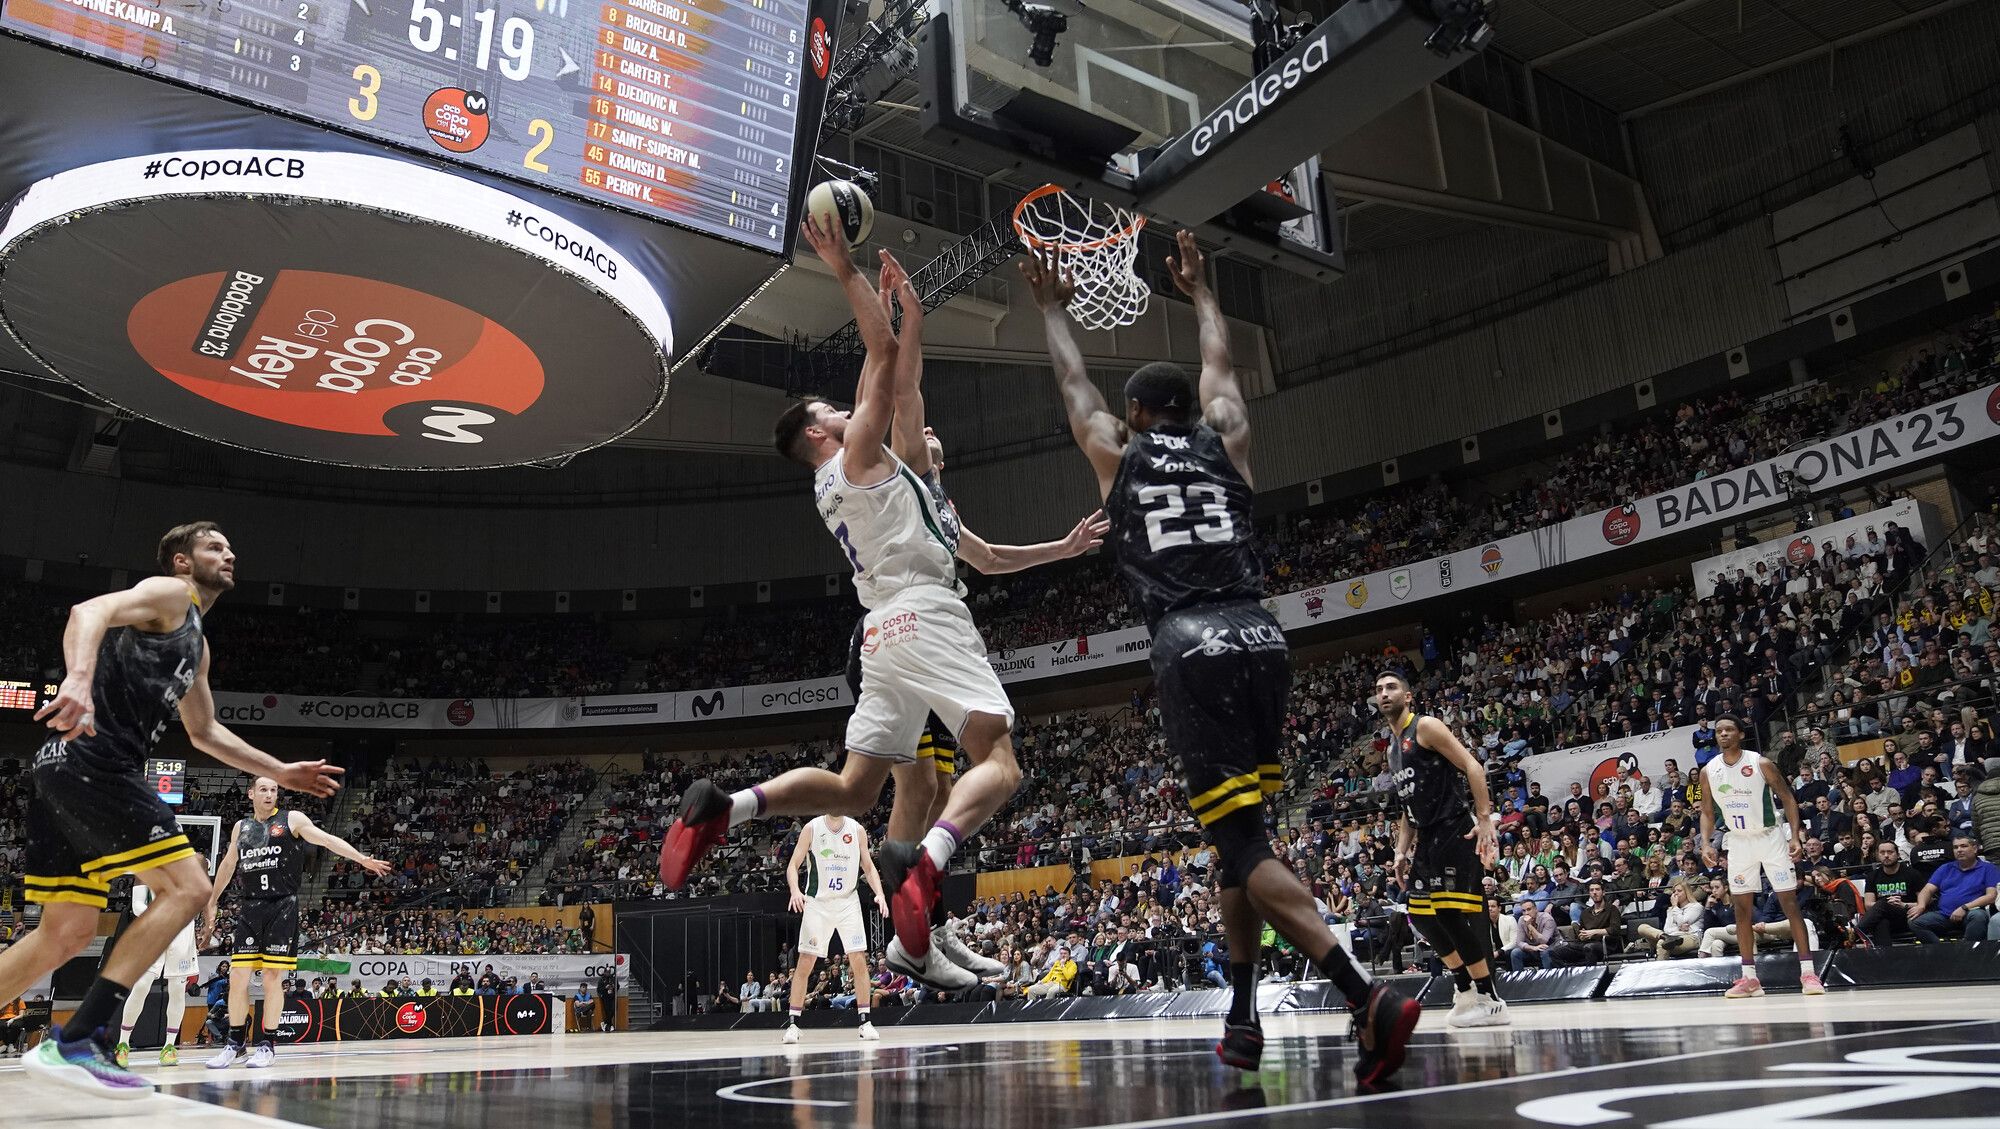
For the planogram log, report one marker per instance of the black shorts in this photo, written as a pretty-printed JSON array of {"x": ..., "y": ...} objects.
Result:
[
  {"x": 86, "y": 828},
  {"x": 1223, "y": 671},
  {"x": 267, "y": 934},
  {"x": 1445, "y": 873},
  {"x": 937, "y": 745}
]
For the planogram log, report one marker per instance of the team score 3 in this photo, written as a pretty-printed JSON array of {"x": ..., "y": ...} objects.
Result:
[
  {"x": 364, "y": 105},
  {"x": 1214, "y": 524}
]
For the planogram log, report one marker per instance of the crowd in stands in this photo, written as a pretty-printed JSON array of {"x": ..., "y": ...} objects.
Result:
[
  {"x": 337, "y": 927},
  {"x": 296, "y": 650},
  {"x": 457, "y": 833}
]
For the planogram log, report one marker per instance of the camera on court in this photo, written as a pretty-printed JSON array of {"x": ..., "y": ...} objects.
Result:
[{"x": 1044, "y": 23}]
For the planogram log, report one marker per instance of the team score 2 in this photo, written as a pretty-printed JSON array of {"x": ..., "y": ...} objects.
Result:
[
  {"x": 1950, "y": 429},
  {"x": 545, "y": 136},
  {"x": 1213, "y": 524}
]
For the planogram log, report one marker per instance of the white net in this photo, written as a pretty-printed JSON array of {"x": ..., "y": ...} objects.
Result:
[{"x": 1097, "y": 245}]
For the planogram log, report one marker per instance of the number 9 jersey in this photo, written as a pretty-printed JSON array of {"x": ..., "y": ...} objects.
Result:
[{"x": 1180, "y": 522}]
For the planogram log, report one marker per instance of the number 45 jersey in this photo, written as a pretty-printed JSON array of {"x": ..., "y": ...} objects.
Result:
[{"x": 1180, "y": 522}]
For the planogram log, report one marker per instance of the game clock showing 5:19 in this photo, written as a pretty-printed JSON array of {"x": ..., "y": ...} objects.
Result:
[{"x": 682, "y": 110}]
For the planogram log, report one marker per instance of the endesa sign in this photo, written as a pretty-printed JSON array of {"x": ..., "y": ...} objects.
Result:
[{"x": 1901, "y": 443}]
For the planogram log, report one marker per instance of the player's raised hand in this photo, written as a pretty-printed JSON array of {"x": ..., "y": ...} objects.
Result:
[
  {"x": 376, "y": 867},
  {"x": 895, "y": 284},
  {"x": 1190, "y": 269},
  {"x": 314, "y": 778},
  {"x": 1088, "y": 534},
  {"x": 1047, "y": 281},
  {"x": 828, "y": 244},
  {"x": 69, "y": 712}
]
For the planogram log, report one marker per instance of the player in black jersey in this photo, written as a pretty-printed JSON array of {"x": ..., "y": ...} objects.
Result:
[
  {"x": 1174, "y": 474},
  {"x": 1446, "y": 834},
  {"x": 133, "y": 659},
  {"x": 267, "y": 849}
]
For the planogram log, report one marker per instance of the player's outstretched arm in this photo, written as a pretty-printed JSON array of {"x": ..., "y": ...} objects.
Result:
[
  {"x": 991, "y": 560},
  {"x": 875, "y": 394},
  {"x": 799, "y": 855},
  {"x": 1437, "y": 735},
  {"x": 315, "y": 778},
  {"x": 1221, "y": 397},
  {"x": 157, "y": 603},
  {"x": 303, "y": 826},
  {"x": 906, "y": 430},
  {"x": 223, "y": 874},
  {"x": 1100, "y": 434}
]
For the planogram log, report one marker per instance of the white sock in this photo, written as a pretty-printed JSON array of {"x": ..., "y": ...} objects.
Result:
[
  {"x": 743, "y": 806},
  {"x": 794, "y": 1016},
  {"x": 940, "y": 844},
  {"x": 864, "y": 1015}
]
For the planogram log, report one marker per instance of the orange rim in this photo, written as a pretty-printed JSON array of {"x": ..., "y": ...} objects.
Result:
[{"x": 1038, "y": 243}]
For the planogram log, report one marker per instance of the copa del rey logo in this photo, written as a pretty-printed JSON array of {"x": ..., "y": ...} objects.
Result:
[{"x": 1622, "y": 524}]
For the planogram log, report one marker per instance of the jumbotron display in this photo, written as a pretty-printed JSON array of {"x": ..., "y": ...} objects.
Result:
[{"x": 680, "y": 110}]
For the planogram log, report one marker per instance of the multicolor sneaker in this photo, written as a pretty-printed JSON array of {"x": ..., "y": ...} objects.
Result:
[
  {"x": 1744, "y": 988},
  {"x": 1242, "y": 1045},
  {"x": 122, "y": 1054},
  {"x": 1382, "y": 1028},
  {"x": 84, "y": 1065},
  {"x": 701, "y": 826},
  {"x": 1809, "y": 983},
  {"x": 912, "y": 880},
  {"x": 170, "y": 1055}
]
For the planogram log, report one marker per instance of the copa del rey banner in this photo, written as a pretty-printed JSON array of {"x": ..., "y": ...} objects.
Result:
[
  {"x": 561, "y": 973},
  {"x": 1618, "y": 761},
  {"x": 1881, "y": 448},
  {"x": 1806, "y": 546}
]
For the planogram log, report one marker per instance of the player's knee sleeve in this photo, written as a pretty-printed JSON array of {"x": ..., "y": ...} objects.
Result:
[{"x": 1241, "y": 843}]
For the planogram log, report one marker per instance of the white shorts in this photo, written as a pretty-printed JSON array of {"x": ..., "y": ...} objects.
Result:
[
  {"x": 1769, "y": 850},
  {"x": 920, "y": 654},
  {"x": 177, "y": 963},
  {"x": 824, "y": 919}
]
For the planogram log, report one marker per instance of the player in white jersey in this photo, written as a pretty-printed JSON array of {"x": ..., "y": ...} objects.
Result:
[
  {"x": 920, "y": 652},
  {"x": 834, "y": 851},
  {"x": 1745, "y": 791},
  {"x": 176, "y": 964}
]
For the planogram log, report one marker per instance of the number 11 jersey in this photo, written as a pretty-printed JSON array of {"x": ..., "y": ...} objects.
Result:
[{"x": 1180, "y": 522}]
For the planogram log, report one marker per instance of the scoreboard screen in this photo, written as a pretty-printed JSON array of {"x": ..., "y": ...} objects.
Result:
[
  {"x": 168, "y": 778},
  {"x": 24, "y": 694},
  {"x": 687, "y": 111}
]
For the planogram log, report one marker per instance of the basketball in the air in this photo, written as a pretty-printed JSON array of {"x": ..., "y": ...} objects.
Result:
[{"x": 843, "y": 207}]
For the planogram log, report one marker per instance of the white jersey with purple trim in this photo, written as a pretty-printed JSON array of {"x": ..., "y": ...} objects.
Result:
[{"x": 892, "y": 532}]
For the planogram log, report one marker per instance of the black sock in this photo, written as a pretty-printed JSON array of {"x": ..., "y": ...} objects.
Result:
[
  {"x": 100, "y": 1005},
  {"x": 1462, "y": 978},
  {"x": 1243, "y": 996},
  {"x": 1354, "y": 984},
  {"x": 237, "y": 1033},
  {"x": 267, "y": 1038},
  {"x": 1487, "y": 985}
]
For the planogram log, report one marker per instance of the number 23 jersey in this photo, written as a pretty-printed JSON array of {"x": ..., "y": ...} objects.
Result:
[{"x": 1180, "y": 522}]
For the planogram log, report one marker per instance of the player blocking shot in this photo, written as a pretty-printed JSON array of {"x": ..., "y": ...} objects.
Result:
[
  {"x": 834, "y": 852},
  {"x": 133, "y": 660},
  {"x": 176, "y": 965},
  {"x": 1446, "y": 836},
  {"x": 1745, "y": 790},
  {"x": 267, "y": 850},
  {"x": 1174, "y": 473}
]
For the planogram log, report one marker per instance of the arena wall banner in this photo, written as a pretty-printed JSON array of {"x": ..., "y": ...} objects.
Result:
[
  {"x": 307, "y": 1019},
  {"x": 559, "y": 972},
  {"x": 1619, "y": 760},
  {"x": 1882, "y": 448},
  {"x": 1805, "y": 546}
]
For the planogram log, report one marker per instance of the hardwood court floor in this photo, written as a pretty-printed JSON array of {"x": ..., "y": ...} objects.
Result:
[{"x": 1922, "y": 1057}]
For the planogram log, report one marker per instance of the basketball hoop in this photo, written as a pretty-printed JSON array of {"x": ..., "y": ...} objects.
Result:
[{"x": 1097, "y": 244}]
